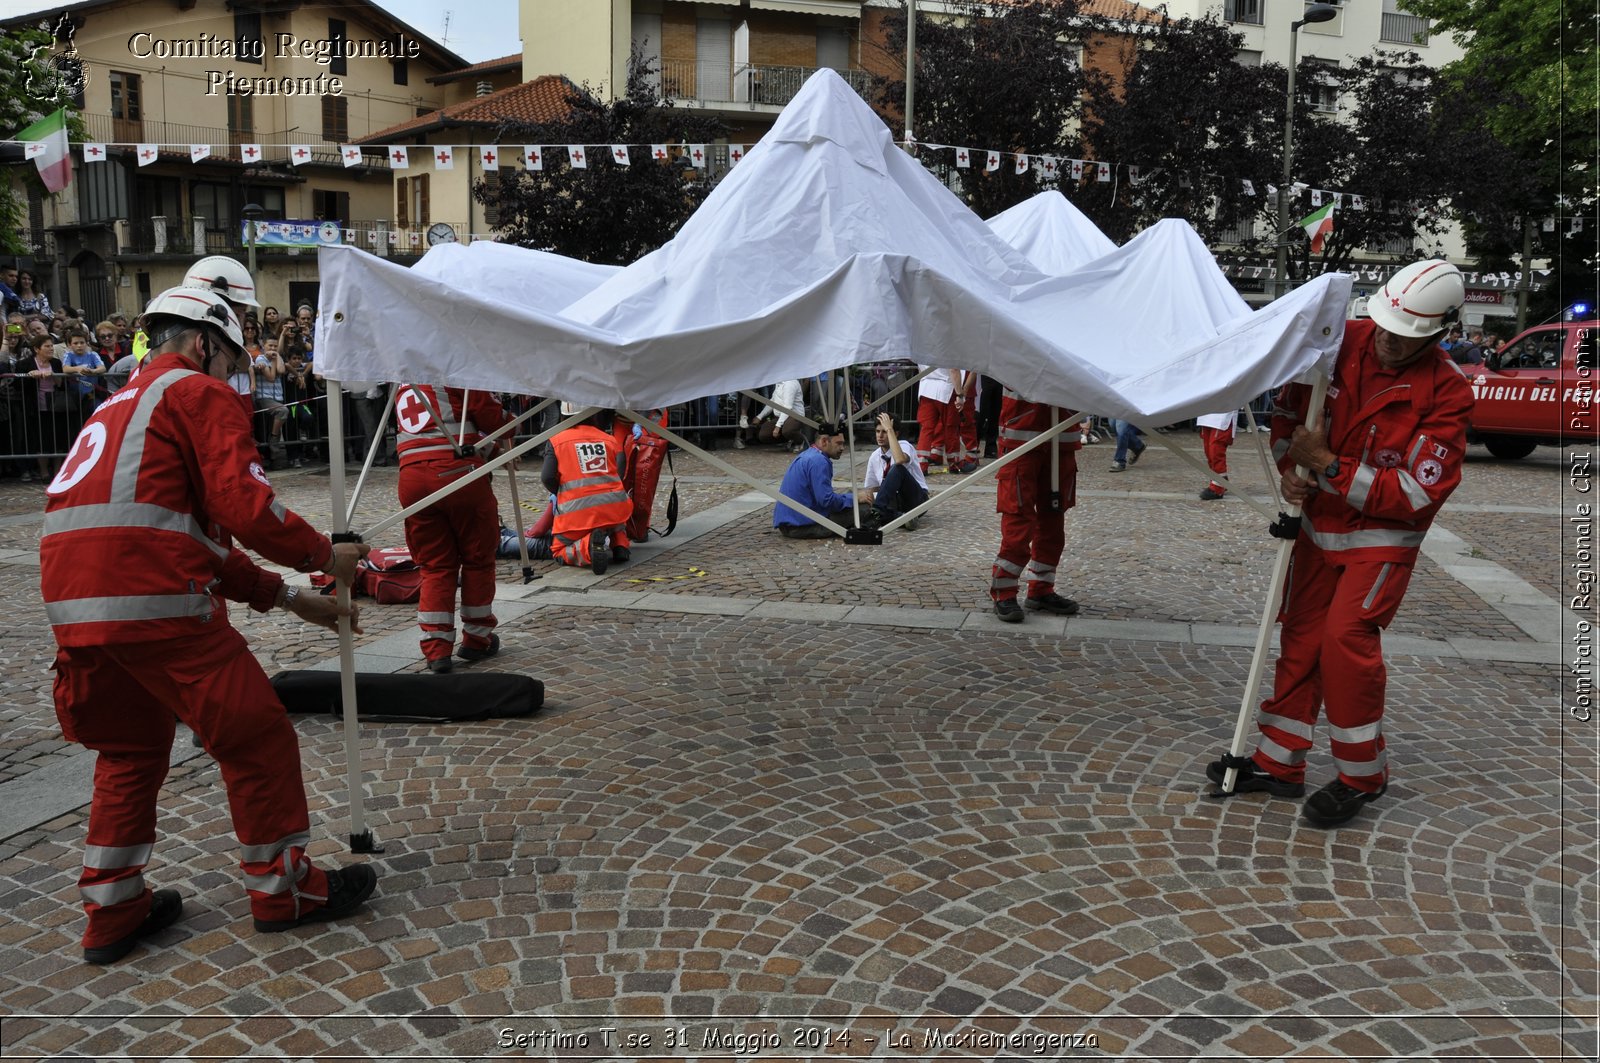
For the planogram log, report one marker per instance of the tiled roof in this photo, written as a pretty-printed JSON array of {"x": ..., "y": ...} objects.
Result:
[
  {"x": 544, "y": 99},
  {"x": 488, "y": 66}
]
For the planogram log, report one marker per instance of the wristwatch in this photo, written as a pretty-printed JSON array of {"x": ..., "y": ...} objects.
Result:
[
  {"x": 1332, "y": 470},
  {"x": 290, "y": 593}
]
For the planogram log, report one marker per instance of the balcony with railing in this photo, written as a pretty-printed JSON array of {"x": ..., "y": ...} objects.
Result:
[
  {"x": 718, "y": 82},
  {"x": 1246, "y": 12},
  {"x": 175, "y": 137},
  {"x": 1403, "y": 29}
]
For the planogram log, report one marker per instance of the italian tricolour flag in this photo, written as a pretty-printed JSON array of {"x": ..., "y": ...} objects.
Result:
[
  {"x": 1317, "y": 226},
  {"x": 46, "y": 144}
]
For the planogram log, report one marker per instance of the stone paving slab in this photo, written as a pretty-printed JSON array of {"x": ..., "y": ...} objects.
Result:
[{"x": 743, "y": 820}]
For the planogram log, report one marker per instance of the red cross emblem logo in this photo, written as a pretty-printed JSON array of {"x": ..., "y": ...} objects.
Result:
[
  {"x": 577, "y": 156},
  {"x": 146, "y": 154},
  {"x": 300, "y": 154},
  {"x": 962, "y": 156},
  {"x": 94, "y": 151},
  {"x": 86, "y": 452},
  {"x": 352, "y": 154},
  {"x": 443, "y": 157},
  {"x": 660, "y": 154},
  {"x": 249, "y": 153},
  {"x": 736, "y": 154},
  {"x": 621, "y": 154},
  {"x": 488, "y": 158},
  {"x": 533, "y": 158},
  {"x": 697, "y": 155},
  {"x": 1394, "y": 304},
  {"x": 398, "y": 156},
  {"x": 1049, "y": 167},
  {"x": 412, "y": 413}
]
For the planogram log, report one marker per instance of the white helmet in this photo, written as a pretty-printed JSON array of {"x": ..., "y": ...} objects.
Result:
[
  {"x": 568, "y": 409},
  {"x": 1420, "y": 300},
  {"x": 191, "y": 306},
  {"x": 223, "y": 275}
]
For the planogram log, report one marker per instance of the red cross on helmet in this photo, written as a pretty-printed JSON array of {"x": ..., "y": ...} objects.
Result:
[{"x": 1420, "y": 300}]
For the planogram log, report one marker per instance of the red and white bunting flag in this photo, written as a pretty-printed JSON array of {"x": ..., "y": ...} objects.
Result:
[
  {"x": 1133, "y": 175},
  {"x": 620, "y": 155},
  {"x": 399, "y": 158},
  {"x": 1022, "y": 164},
  {"x": 533, "y": 156},
  {"x": 1316, "y": 197},
  {"x": 350, "y": 154},
  {"x": 489, "y": 157},
  {"x": 735, "y": 153},
  {"x": 1549, "y": 225},
  {"x": 394, "y": 237},
  {"x": 1338, "y": 200},
  {"x": 250, "y": 153},
  {"x": 372, "y": 238},
  {"x": 94, "y": 153},
  {"x": 1357, "y": 203},
  {"x": 575, "y": 157},
  {"x": 1249, "y": 188},
  {"x": 1049, "y": 165},
  {"x": 415, "y": 239},
  {"x": 659, "y": 153},
  {"x": 963, "y": 159},
  {"x": 1077, "y": 169},
  {"x": 993, "y": 162},
  {"x": 299, "y": 153},
  {"x": 199, "y": 151},
  {"x": 444, "y": 158},
  {"x": 1102, "y": 172},
  {"x": 34, "y": 149},
  {"x": 697, "y": 155},
  {"x": 147, "y": 154}
]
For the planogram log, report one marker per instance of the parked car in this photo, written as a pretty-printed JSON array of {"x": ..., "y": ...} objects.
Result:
[{"x": 1537, "y": 390}]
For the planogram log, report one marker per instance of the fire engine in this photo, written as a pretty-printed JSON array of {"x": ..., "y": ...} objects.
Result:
[{"x": 1537, "y": 390}]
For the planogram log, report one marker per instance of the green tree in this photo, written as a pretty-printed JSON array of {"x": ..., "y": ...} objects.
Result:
[
  {"x": 34, "y": 81},
  {"x": 606, "y": 213}
]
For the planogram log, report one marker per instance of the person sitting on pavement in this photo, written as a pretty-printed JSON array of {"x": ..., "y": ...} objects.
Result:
[
  {"x": 894, "y": 483},
  {"x": 773, "y": 425},
  {"x": 809, "y": 481}
]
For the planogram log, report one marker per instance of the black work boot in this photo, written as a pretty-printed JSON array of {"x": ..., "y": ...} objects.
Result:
[
  {"x": 1053, "y": 603},
  {"x": 1339, "y": 802},
  {"x": 473, "y": 653},
  {"x": 165, "y": 908},
  {"x": 1251, "y": 779},
  {"x": 599, "y": 553},
  {"x": 1008, "y": 610},
  {"x": 348, "y": 888}
]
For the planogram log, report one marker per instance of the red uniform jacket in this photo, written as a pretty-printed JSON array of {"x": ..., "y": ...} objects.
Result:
[
  {"x": 420, "y": 438},
  {"x": 1021, "y": 420},
  {"x": 1400, "y": 436},
  {"x": 138, "y": 523}
]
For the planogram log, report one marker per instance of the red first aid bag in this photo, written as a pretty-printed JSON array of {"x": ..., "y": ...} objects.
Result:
[{"x": 388, "y": 576}]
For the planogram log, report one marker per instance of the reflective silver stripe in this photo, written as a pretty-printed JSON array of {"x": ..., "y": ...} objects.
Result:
[
  {"x": 1280, "y": 754},
  {"x": 1359, "y": 768},
  {"x": 1284, "y": 411},
  {"x": 476, "y": 629},
  {"x": 1019, "y": 434},
  {"x": 435, "y": 618},
  {"x": 591, "y": 481},
  {"x": 278, "y": 511},
  {"x": 1006, "y": 566},
  {"x": 1298, "y": 728},
  {"x": 121, "y": 891},
  {"x": 594, "y": 500},
  {"x": 426, "y": 450},
  {"x": 1377, "y": 585},
  {"x": 264, "y": 854},
  {"x": 130, "y": 456},
  {"x": 1040, "y": 571},
  {"x": 447, "y": 637},
  {"x": 1352, "y": 735},
  {"x": 1002, "y": 584},
  {"x": 1370, "y": 537},
  {"x": 269, "y": 883},
  {"x": 128, "y": 515},
  {"x": 1413, "y": 491},
  {"x": 1279, "y": 449},
  {"x": 1416, "y": 448},
  {"x": 131, "y": 607},
  {"x": 476, "y": 611},
  {"x": 1360, "y": 485},
  {"x": 111, "y": 857}
]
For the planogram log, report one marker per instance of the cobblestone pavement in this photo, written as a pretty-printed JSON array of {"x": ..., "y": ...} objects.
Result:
[{"x": 810, "y": 800}]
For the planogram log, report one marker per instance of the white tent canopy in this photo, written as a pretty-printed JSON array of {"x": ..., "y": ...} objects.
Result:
[
  {"x": 827, "y": 246},
  {"x": 1055, "y": 235}
]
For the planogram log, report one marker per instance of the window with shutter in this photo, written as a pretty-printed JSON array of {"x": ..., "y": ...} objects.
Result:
[
  {"x": 402, "y": 203},
  {"x": 335, "y": 118},
  {"x": 422, "y": 201}
]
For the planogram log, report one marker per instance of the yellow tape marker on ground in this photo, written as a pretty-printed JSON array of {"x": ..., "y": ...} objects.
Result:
[{"x": 694, "y": 573}]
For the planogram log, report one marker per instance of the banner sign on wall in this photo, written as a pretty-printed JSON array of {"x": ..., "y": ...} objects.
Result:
[{"x": 292, "y": 232}]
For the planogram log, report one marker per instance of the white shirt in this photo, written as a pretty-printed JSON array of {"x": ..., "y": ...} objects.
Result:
[
  {"x": 937, "y": 385},
  {"x": 876, "y": 466},
  {"x": 1224, "y": 421},
  {"x": 786, "y": 393}
]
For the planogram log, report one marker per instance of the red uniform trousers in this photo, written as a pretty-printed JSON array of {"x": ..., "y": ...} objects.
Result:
[
  {"x": 933, "y": 429},
  {"x": 1032, "y": 531},
  {"x": 120, "y": 701},
  {"x": 961, "y": 431},
  {"x": 1331, "y": 651},
  {"x": 453, "y": 542},
  {"x": 573, "y": 548},
  {"x": 1216, "y": 442}
]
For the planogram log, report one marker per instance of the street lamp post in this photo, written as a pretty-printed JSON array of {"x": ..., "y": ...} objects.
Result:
[
  {"x": 911, "y": 69},
  {"x": 250, "y": 212},
  {"x": 1280, "y": 274}
]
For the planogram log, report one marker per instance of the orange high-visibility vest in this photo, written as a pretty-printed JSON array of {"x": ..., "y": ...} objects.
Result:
[{"x": 591, "y": 494}]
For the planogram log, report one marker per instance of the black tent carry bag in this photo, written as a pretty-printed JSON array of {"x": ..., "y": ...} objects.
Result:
[{"x": 414, "y": 696}]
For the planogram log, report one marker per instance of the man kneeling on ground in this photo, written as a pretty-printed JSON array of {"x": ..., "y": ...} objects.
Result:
[
  {"x": 809, "y": 481},
  {"x": 584, "y": 470}
]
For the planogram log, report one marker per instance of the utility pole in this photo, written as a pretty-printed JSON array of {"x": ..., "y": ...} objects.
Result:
[
  {"x": 1527, "y": 273},
  {"x": 911, "y": 69}
]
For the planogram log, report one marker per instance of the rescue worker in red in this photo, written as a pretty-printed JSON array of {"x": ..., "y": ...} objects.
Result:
[
  {"x": 453, "y": 541},
  {"x": 1386, "y": 456},
  {"x": 584, "y": 469},
  {"x": 1033, "y": 510},
  {"x": 156, "y": 485},
  {"x": 1216, "y": 436}
]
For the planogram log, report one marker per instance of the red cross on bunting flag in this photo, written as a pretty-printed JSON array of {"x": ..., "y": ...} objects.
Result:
[
  {"x": 489, "y": 157},
  {"x": 399, "y": 158},
  {"x": 351, "y": 155},
  {"x": 1102, "y": 171},
  {"x": 250, "y": 152},
  {"x": 1049, "y": 165},
  {"x": 658, "y": 152},
  {"x": 94, "y": 153},
  {"x": 299, "y": 153},
  {"x": 1077, "y": 169},
  {"x": 735, "y": 153},
  {"x": 575, "y": 157},
  {"x": 697, "y": 152},
  {"x": 198, "y": 152},
  {"x": 35, "y": 148},
  {"x": 620, "y": 155},
  {"x": 532, "y": 157},
  {"x": 147, "y": 154},
  {"x": 963, "y": 160},
  {"x": 993, "y": 162},
  {"x": 1022, "y": 164},
  {"x": 444, "y": 159}
]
